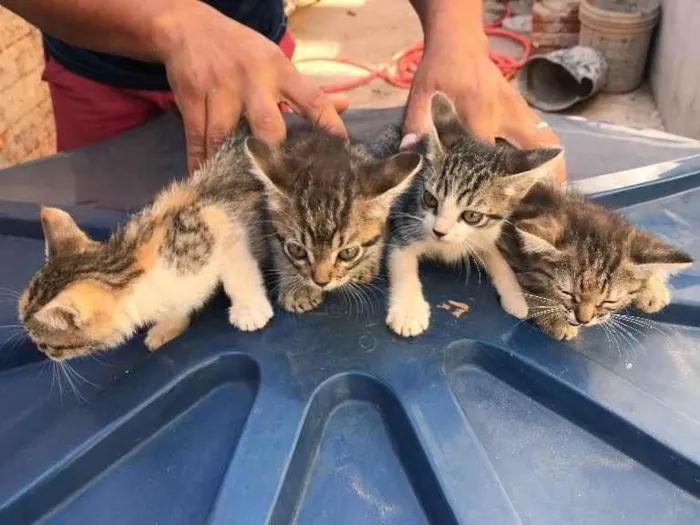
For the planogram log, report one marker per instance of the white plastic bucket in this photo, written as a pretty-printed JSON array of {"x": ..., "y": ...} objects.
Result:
[{"x": 621, "y": 30}]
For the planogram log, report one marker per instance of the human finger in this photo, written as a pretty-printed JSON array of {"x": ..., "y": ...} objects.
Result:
[
  {"x": 223, "y": 114},
  {"x": 417, "y": 112},
  {"x": 264, "y": 117},
  {"x": 313, "y": 104},
  {"x": 193, "y": 111}
]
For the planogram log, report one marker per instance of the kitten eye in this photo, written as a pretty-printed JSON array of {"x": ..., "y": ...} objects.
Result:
[
  {"x": 429, "y": 200},
  {"x": 295, "y": 251},
  {"x": 348, "y": 254},
  {"x": 567, "y": 294},
  {"x": 608, "y": 303},
  {"x": 472, "y": 217}
]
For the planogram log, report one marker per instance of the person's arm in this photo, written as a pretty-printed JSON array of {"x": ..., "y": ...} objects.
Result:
[
  {"x": 456, "y": 62},
  {"x": 122, "y": 27},
  {"x": 217, "y": 67},
  {"x": 465, "y": 16}
]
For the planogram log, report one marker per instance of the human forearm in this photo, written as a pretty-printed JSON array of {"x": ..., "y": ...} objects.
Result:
[
  {"x": 460, "y": 18},
  {"x": 133, "y": 28}
]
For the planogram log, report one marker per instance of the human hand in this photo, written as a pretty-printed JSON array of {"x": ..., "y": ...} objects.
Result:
[
  {"x": 460, "y": 67},
  {"x": 218, "y": 69}
]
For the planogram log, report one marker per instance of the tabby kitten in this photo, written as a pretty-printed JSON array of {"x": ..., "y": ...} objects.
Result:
[
  {"x": 579, "y": 262},
  {"x": 328, "y": 201},
  {"x": 454, "y": 210},
  {"x": 162, "y": 266}
]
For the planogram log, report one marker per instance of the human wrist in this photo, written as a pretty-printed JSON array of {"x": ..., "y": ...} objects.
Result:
[
  {"x": 168, "y": 29},
  {"x": 455, "y": 23}
]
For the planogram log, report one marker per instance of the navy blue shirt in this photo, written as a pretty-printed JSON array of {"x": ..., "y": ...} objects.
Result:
[{"x": 265, "y": 16}]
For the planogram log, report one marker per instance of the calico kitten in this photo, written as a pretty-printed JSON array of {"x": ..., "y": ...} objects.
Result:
[
  {"x": 159, "y": 268},
  {"x": 328, "y": 201},
  {"x": 456, "y": 209},
  {"x": 579, "y": 263}
]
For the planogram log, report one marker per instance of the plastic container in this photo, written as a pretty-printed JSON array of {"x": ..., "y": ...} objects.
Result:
[{"x": 621, "y": 30}]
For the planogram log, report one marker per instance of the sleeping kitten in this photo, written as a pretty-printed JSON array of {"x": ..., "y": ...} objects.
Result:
[
  {"x": 579, "y": 263},
  {"x": 163, "y": 265},
  {"x": 329, "y": 201},
  {"x": 456, "y": 209}
]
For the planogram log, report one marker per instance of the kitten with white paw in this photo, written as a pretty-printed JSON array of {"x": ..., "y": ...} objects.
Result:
[
  {"x": 328, "y": 201},
  {"x": 159, "y": 268},
  {"x": 454, "y": 210},
  {"x": 580, "y": 263}
]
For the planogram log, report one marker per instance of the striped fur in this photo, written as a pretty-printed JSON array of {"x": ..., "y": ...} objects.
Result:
[
  {"x": 454, "y": 210},
  {"x": 579, "y": 263},
  {"x": 156, "y": 270},
  {"x": 329, "y": 201}
]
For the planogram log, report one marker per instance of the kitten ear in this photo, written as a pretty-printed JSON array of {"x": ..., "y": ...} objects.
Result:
[
  {"x": 387, "y": 178},
  {"x": 267, "y": 165},
  {"x": 527, "y": 167},
  {"x": 59, "y": 314},
  {"x": 539, "y": 235},
  {"x": 521, "y": 161},
  {"x": 443, "y": 118},
  {"x": 654, "y": 256},
  {"x": 61, "y": 232},
  {"x": 443, "y": 112}
]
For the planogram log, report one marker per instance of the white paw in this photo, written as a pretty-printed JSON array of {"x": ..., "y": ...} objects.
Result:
[
  {"x": 249, "y": 317},
  {"x": 515, "y": 305},
  {"x": 409, "y": 319}
]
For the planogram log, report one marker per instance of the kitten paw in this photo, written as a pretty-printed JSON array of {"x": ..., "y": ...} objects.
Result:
[
  {"x": 650, "y": 302},
  {"x": 515, "y": 305},
  {"x": 409, "y": 319},
  {"x": 301, "y": 301},
  {"x": 561, "y": 330},
  {"x": 249, "y": 317},
  {"x": 165, "y": 331}
]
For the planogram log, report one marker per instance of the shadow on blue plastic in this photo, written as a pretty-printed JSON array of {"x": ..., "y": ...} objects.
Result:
[
  {"x": 358, "y": 451},
  {"x": 187, "y": 431},
  {"x": 531, "y": 419}
]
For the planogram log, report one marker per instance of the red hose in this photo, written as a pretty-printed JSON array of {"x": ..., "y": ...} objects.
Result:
[{"x": 400, "y": 70}]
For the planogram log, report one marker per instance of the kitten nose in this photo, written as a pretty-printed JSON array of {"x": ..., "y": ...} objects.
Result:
[
  {"x": 438, "y": 233},
  {"x": 585, "y": 313},
  {"x": 321, "y": 281}
]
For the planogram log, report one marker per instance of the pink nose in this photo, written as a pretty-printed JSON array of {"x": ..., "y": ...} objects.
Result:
[
  {"x": 438, "y": 233},
  {"x": 321, "y": 281}
]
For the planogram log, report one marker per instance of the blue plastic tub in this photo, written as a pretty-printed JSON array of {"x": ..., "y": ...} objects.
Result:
[{"x": 328, "y": 418}]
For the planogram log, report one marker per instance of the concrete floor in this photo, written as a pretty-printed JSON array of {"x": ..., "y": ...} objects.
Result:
[{"x": 372, "y": 31}]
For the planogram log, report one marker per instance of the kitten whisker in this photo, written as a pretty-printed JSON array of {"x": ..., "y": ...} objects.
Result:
[
  {"x": 539, "y": 297},
  {"x": 644, "y": 322},
  {"x": 65, "y": 367}
]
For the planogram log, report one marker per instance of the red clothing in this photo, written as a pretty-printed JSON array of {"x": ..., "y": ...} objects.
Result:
[{"x": 87, "y": 111}]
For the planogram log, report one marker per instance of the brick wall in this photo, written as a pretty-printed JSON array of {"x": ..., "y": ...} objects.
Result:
[{"x": 26, "y": 119}]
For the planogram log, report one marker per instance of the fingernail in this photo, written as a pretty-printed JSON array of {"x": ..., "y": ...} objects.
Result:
[{"x": 408, "y": 140}]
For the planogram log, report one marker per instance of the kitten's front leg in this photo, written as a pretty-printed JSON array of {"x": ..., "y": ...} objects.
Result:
[
  {"x": 409, "y": 312},
  {"x": 298, "y": 297},
  {"x": 556, "y": 326},
  {"x": 506, "y": 284},
  {"x": 166, "y": 330},
  {"x": 243, "y": 283},
  {"x": 654, "y": 296}
]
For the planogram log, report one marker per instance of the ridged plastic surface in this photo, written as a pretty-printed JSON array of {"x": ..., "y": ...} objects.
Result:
[{"x": 329, "y": 418}]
